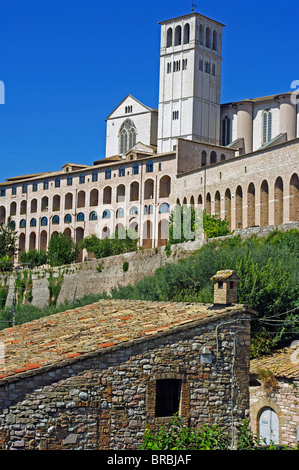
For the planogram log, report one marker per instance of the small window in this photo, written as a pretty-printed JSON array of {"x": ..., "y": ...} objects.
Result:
[
  {"x": 106, "y": 214},
  {"x": 23, "y": 223},
  {"x": 94, "y": 176},
  {"x": 55, "y": 220},
  {"x": 231, "y": 284},
  {"x": 93, "y": 216},
  {"x": 3, "y": 192},
  {"x": 57, "y": 183},
  {"x": 108, "y": 174},
  {"x": 121, "y": 171},
  {"x": 46, "y": 184},
  {"x": 220, "y": 284},
  {"x": 69, "y": 180},
  {"x": 82, "y": 179},
  {"x": 34, "y": 187},
  {"x": 149, "y": 167},
  {"x": 135, "y": 169},
  {"x": 200, "y": 65},
  {"x": 24, "y": 188},
  {"x": 14, "y": 190},
  {"x": 168, "y": 393},
  {"x": 68, "y": 219},
  {"x": 80, "y": 217},
  {"x": 44, "y": 222}
]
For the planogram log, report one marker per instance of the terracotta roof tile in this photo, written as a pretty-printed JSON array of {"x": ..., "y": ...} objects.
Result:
[
  {"x": 283, "y": 363},
  {"x": 49, "y": 341}
]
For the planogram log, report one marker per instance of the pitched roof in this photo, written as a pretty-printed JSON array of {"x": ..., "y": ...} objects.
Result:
[
  {"x": 225, "y": 274},
  {"x": 56, "y": 340},
  {"x": 283, "y": 363}
]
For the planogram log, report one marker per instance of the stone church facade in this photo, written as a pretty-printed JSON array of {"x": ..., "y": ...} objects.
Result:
[{"x": 238, "y": 160}]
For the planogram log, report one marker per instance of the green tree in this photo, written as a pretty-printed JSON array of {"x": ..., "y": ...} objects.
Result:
[
  {"x": 62, "y": 250},
  {"x": 34, "y": 257},
  {"x": 8, "y": 240},
  {"x": 122, "y": 241},
  {"x": 185, "y": 224}
]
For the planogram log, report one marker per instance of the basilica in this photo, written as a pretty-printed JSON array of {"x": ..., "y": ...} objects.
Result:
[{"x": 238, "y": 160}]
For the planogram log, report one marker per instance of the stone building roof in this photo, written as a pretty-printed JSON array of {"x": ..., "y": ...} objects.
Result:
[
  {"x": 72, "y": 335},
  {"x": 283, "y": 363}
]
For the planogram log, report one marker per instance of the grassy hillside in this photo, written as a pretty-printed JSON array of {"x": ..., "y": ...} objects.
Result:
[{"x": 269, "y": 272}]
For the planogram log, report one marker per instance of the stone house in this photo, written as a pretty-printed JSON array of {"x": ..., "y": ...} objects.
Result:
[
  {"x": 95, "y": 377},
  {"x": 274, "y": 397}
]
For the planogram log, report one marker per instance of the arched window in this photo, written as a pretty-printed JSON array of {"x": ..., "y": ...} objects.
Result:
[
  {"x": 120, "y": 213},
  {"x": 33, "y": 223},
  {"x": 24, "y": 188},
  {"x": 34, "y": 187},
  {"x": 186, "y": 33},
  {"x": 80, "y": 217},
  {"x": 213, "y": 157},
  {"x": 55, "y": 220},
  {"x": 68, "y": 219},
  {"x": 121, "y": 171},
  {"x": 178, "y": 36},
  {"x": 94, "y": 176},
  {"x": 57, "y": 183},
  {"x": 208, "y": 37},
  {"x": 145, "y": 210},
  {"x": 150, "y": 209},
  {"x": 44, "y": 222},
  {"x": 108, "y": 174},
  {"x": 69, "y": 180},
  {"x": 201, "y": 35},
  {"x": 46, "y": 184},
  {"x": 93, "y": 216},
  {"x": 106, "y": 214},
  {"x": 169, "y": 37},
  {"x": 203, "y": 158},
  {"x": 12, "y": 225},
  {"x": 164, "y": 208},
  {"x": 135, "y": 169},
  {"x": 226, "y": 131},
  {"x": 149, "y": 167},
  {"x": 215, "y": 40},
  {"x": 134, "y": 210},
  {"x": 23, "y": 223},
  {"x": 127, "y": 136},
  {"x": 82, "y": 178},
  {"x": 14, "y": 190},
  {"x": 267, "y": 126}
]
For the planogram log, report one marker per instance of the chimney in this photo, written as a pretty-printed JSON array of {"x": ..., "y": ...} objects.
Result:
[{"x": 225, "y": 287}]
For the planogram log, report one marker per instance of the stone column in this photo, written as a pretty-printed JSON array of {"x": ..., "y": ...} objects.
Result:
[
  {"x": 244, "y": 125},
  {"x": 287, "y": 117}
]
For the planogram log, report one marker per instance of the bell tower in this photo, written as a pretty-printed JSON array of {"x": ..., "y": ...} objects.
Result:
[{"x": 190, "y": 80}]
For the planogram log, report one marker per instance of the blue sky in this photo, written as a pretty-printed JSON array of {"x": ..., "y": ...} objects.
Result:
[{"x": 66, "y": 64}]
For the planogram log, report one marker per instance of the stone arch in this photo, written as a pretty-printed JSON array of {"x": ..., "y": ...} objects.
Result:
[
  {"x": 2, "y": 215},
  {"x": 228, "y": 206},
  {"x": 68, "y": 232},
  {"x": 163, "y": 232},
  {"x": 251, "y": 205},
  {"x": 79, "y": 235},
  {"x": 192, "y": 203},
  {"x": 32, "y": 241},
  {"x": 13, "y": 208},
  {"x": 120, "y": 193},
  {"x": 165, "y": 186},
  {"x": 94, "y": 197},
  {"x": 264, "y": 204},
  {"x": 21, "y": 244},
  {"x": 68, "y": 201},
  {"x": 44, "y": 203},
  {"x": 239, "y": 207},
  {"x": 294, "y": 198},
  {"x": 134, "y": 191},
  {"x": 81, "y": 199},
  {"x": 257, "y": 410},
  {"x": 105, "y": 232},
  {"x": 33, "y": 206},
  {"x": 149, "y": 189},
  {"x": 23, "y": 207},
  {"x": 199, "y": 200},
  {"x": 43, "y": 240},
  {"x": 278, "y": 201},
  {"x": 107, "y": 195},
  {"x": 217, "y": 203},
  {"x": 56, "y": 202},
  {"x": 208, "y": 204},
  {"x": 147, "y": 238}
]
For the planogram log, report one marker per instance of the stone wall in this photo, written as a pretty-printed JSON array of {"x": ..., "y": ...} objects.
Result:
[
  {"x": 105, "y": 401},
  {"x": 284, "y": 400}
]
